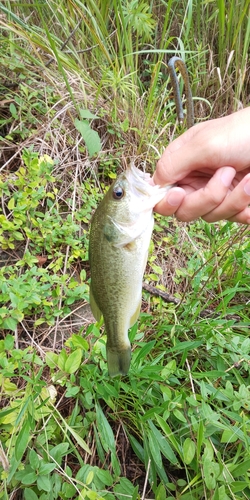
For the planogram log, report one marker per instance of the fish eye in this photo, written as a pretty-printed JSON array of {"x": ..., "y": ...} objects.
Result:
[{"x": 118, "y": 192}]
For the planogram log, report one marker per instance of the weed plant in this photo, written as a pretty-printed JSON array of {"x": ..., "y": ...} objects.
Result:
[{"x": 84, "y": 88}]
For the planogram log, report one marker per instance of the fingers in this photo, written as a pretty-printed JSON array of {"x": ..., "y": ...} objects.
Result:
[
  {"x": 175, "y": 162},
  {"x": 202, "y": 202},
  {"x": 171, "y": 201},
  {"x": 235, "y": 206},
  {"x": 217, "y": 200},
  {"x": 212, "y": 144},
  {"x": 242, "y": 217}
]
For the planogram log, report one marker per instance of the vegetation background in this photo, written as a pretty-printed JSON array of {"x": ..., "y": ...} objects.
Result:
[{"x": 84, "y": 89}]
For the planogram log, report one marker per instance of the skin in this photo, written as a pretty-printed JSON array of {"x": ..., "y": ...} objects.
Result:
[{"x": 210, "y": 163}]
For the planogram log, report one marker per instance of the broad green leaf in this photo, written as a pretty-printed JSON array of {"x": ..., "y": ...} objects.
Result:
[
  {"x": 208, "y": 451},
  {"x": 13, "y": 110},
  {"x": 29, "y": 478},
  {"x": 99, "y": 448},
  {"x": 238, "y": 486},
  {"x": 135, "y": 495},
  {"x": 57, "y": 484},
  {"x": 39, "y": 321},
  {"x": 124, "y": 489},
  {"x": 211, "y": 471},
  {"x": 73, "y": 361},
  {"x": 10, "y": 324},
  {"x": 77, "y": 341},
  {"x": 160, "y": 493},
  {"x": 83, "y": 472},
  {"x": 68, "y": 490},
  {"x": 163, "y": 444},
  {"x": 138, "y": 449},
  {"x": 91, "y": 137},
  {"x": 61, "y": 360},
  {"x": 22, "y": 440},
  {"x": 189, "y": 449},
  {"x": 168, "y": 432},
  {"x": 44, "y": 483},
  {"x": 9, "y": 342},
  {"x": 13, "y": 467},
  {"x": 187, "y": 345},
  {"x": 142, "y": 352},
  {"x": 46, "y": 468},
  {"x": 240, "y": 469},
  {"x": 72, "y": 392},
  {"x": 23, "y": 409},
  {"x": 78, "y": 439},
  {"x": 8, "y": 387},
  {"x": 155, "y": 450},
  {"x": 34, "y": 459},
  {"x": 169, "y": 369},
  {"x": 89, "y": 478},
  {"x": 30, "y": 494},
  {"x": 91, "y": 495},
  {"x": 229, "y": 436},
  {"x": 15, "y": 300},
  {"x": 220, "y": 493},
  {"x": 115, "y": 464},
  {"x": 105, "y": 477},
  {"x": 51, "y": 359},
  {"x": 59, "y": 451},
  {"x": 179, "y": 416},
  {"x": 105, "y": 431},
  {"x": 200, "y": 435},
  {"x": 85, "y": 113}
]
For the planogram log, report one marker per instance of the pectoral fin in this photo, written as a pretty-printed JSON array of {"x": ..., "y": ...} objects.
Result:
[{"x": 94, "y": 307}]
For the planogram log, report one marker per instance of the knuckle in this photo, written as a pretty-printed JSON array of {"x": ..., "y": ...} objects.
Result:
[
  {"x": 211, "y": 218},
  {"x": 184, "y": 216},
  {"x": 213, "y": 198}
]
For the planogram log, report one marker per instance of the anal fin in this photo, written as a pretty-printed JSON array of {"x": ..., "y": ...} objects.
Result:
[
  {"x": 135, "y": 316},
  {"x": 94, "y": 307}
]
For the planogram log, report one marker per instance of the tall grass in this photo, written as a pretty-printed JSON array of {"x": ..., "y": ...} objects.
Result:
[
  {"x": 178, "y": 426},
  {"x": 123, "y": 47}
]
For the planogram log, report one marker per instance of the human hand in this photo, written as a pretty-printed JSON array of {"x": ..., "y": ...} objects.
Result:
[{"x": 198, "y": 162}]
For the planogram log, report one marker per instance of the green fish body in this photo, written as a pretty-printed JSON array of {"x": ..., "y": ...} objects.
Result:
[{"x": 120, "y": 235}]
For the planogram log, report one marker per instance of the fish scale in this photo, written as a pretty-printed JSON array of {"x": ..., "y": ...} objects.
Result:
[{"x": 120, "y": 235}]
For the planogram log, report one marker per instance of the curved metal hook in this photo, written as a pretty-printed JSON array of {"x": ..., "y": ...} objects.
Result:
[{"x": 173, "y": 63}]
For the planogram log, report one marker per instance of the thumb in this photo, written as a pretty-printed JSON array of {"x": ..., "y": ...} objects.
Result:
[
  {"x": 177, "y": 160},
  {"x": 171, "y": 201}
]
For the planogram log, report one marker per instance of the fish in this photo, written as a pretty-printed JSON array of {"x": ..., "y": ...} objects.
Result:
[{"x": 119, "y": 240}]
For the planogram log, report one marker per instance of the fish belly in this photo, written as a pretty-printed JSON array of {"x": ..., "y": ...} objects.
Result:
[{"x": 116, "y": 287}]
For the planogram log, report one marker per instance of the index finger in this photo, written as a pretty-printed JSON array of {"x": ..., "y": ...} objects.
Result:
[
  {"x": 208, "y": 145},
  {"x": 191, "y": 151}
]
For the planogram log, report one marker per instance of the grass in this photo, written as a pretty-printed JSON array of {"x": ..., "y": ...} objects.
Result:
[{"x": 84, "y": 88}]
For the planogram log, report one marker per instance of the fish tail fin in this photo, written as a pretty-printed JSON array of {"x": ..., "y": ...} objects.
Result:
[{"x": 118, "y": 361}]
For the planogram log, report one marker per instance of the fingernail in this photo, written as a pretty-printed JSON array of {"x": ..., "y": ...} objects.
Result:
[
  {"x": 247, "y": 188},
  {"x": 174, "y": 198},
  {"x": 227, "y": 176}
]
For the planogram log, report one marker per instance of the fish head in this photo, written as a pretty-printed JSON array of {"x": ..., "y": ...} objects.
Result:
[{"x": 127, "y": 208}]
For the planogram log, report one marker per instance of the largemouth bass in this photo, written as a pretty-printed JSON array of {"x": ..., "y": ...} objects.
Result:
[{"x": 120, "y": 235}]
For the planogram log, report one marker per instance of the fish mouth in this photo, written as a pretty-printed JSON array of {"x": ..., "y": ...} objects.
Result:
[
  {"x": 139, "y": 180},
  {"x": 142, "y": 185}
]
